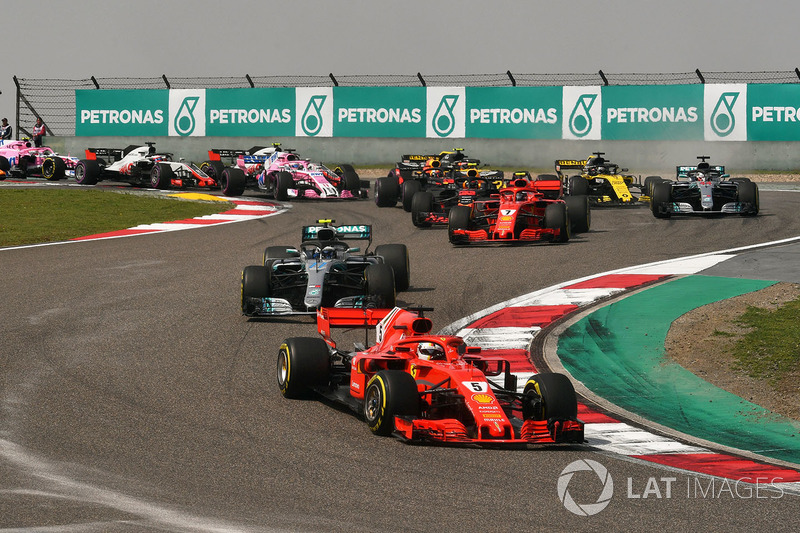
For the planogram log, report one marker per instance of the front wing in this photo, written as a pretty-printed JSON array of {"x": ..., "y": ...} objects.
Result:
[{"x": 452, "y": 431}]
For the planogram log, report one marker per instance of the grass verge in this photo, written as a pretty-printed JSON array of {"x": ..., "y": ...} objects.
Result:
[
  {"x": 31, "y": 216},
  {"x": 770, "y": 350}
]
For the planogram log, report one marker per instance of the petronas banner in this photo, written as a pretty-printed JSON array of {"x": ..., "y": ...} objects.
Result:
[{"x": 711, "y": 112}]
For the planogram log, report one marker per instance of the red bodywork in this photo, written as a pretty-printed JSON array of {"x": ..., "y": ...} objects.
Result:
[
  {"x": 516, "y": 214},
  {"x": 458, "y": 404}
]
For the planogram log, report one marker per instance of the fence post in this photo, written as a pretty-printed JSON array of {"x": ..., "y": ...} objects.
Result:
[
  {"x": 511, "y": 77},
  {"x": 96, "y": 85},
  {"x": 166, "y": 81},
  {"x": 19, "y": 97},
  {"x": 797, "y": 71},
  {"x": 700, "y": 75},
  {"x": 252, "y": 85},
  {"x": 605, "y": 80},
  {"x": 421, "y": 79},
  {"x": 335, "y": 83}
]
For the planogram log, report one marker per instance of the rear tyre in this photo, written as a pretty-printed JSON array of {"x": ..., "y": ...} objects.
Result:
[
  {"x": 580, "y": 216},
  {"x": 161, "y": 176},
  {"x": 213, "y": 169},
  {"x": 458, "y": 220},
  {"x": 748, "y": 193},
  {"x": 420, "y": 204},
  {"x": 380, "y": 285},
  {"x": 5, "y": 165},
  {"x": 408, "y": 190},
  {"x": 662, "y": 196},
  {"x": 87, "y": 172},
  {"x": 396, "y": 256},
  {"x": 303, "y": 363},
  {"x": 284, "y": 182},
  {"x": 558, "y": 399},
  {"x": 387, "y": 191},
  {"x": 578, "y": 186},
  {"x": 547, "y": 177},
  {"x": 232, "y": 180},
  {"x": 649, "y": 181},
  {"x": 389, "y": 393},
  {"x": 555, "y": 217},
  {"x": 255, "y": 284},
  {"x": 54, "y": 168}
]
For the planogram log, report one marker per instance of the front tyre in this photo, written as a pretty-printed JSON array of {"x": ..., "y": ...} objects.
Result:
[
  {"x": 555, "y": 217},
  {"x": 396, "y": 256},
  {"x": 421, "y": 204},
  {"x": 255, "y": 284},
  {"x": 458, "y": 220},
  {"x": 387, "y": 191},
  {"x": 580, "y": 216},
  {"x": 232, "y": 181},
  {"x": 748, "y": 194},
  {"x": 283, "y": 183},
  {"x": 303, "y": 363},
  {"x": 161, "y": 176},
  {"x": 87, "y": 172},
  {"x": 661, "y": 198},
  {"x": 379, "y": 279},
  {"x": 389, "y": 393},
  {"x": 549, "y": 395}
]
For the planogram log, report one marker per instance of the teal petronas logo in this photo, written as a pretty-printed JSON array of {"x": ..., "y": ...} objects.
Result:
[
  {"x": 722, "y": 119},
  {"x": 580, "y": 120},
  {"x": 444, "y": 120},
  {"x": 184, "y": 120},
  {"x": 311, "y": 121}
]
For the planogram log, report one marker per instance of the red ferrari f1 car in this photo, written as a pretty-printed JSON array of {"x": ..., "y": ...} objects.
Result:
[
  {"x": 526, "y": 211},
  {"x": 427, "y": 388}
]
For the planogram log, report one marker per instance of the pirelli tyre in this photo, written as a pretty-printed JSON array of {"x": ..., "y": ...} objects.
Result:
[
  {"x": 649, "y": 181},
  {"x": 303, "y": 363},
  {"x": 421, "y": 203},
  {"x": 577, "y": 186},
  {"x": 458, "y": 219},
  {"x": 549, "y": 395},
  {"x": 556, "y": 217},
  {"x": 386, "y": 191},
  {"x": 661, "y": 198},
  {"x": 87, "y": 172},
  {"x": 580, "y": 214},
  {"x": 748, "y": 194},
  {"x": 213, "y": 169},
  {"x": 389, "y": 393},
  {"x": 5, "y": 164},
  {"x": 54, "y": 168},
  {"x": 232, "y": 181},
  {"x": 379, "y": 280},
  {"x": 161, "y": 176},
  {"x": 396, "y": 256},
  {"x": 283, "y": 183},
  {"x": 255, "y": 284},
  {"x": 407, "y": 192}
]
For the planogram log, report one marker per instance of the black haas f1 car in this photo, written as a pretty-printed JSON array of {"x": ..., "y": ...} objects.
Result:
[
  {"x": 325, "y": 271},
  {"x": 601, "y": 180},
  {"x": 140, "y": 166},
  {"x": 427, "y": 388},
  {"x": 525, "y": 211},
  {"x": 436, "y": 174},
  {"x": 284, "y": 174},
  {"x": 704, "y": 190}
]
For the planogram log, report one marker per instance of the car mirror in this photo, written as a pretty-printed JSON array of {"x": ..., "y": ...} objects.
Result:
[{"x": 353, "y": 250}]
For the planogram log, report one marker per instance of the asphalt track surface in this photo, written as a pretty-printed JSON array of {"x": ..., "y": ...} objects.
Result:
[{"x": 135, "y": 397}]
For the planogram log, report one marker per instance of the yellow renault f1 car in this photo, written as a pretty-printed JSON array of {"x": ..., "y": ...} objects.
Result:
[{"x": 601, "y": 180}]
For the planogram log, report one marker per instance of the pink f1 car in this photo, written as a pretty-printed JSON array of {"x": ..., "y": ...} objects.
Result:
[{"x": 22, "y": 159}]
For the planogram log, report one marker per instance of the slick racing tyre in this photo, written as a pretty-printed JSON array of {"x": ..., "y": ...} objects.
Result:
[
  {"x": 387, "y": 191},
  {"x": 649, "y": 181},
  {"x": 350, "y": 180},
  {"x": 556, "y": 217},
  {"x": 408, "y": 190},
  {"x": 421, "y": 203},
  {"x": 580, "y": 215},
  {"x": 659, "y": 201},
  {"x": 380, "y": 285},
  {"x": 303, "y": 363},
  {"x": 748, "y": 194},
  {"x": 87, "y": 172},
  {"x": 5, "y": 164},
  {"x": 549, "y": 395},
  {"x": 161, "y": 176},
  {"x": 389, "y": 393},
  {"x": 255, "y": 284},
  {"x": 458, "y": 219},
  {"x": 232, "y": 181},
  {"x": 578, "y": 186},
  {"x": 54, "y": 168},
  {"x": 283, "y": 183},
  {"x": 213, "y": 169},
  {"x": 396, "y": 256}
]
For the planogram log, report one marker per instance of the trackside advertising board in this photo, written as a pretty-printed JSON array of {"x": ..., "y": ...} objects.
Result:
[{"x": 711, "y": 112}]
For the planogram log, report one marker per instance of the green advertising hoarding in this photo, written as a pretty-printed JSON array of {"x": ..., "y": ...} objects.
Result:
[
  {"x": 261, "y": 112},
  {"x": 653, "y": 112},
  {"x": 379, "y": 112},
  {"x": 773, "y": 112},
  {"x": 513, "y": 112},
  {"x": 121, "y": 112}
]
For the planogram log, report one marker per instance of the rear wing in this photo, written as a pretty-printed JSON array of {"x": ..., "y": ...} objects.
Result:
[
  {"x": 683, "y": 171},
  {"x": 347, "y": 317},
  {"x": 326, "y": 232},
  {"x": 114, "y": 153},
  {"x": 569, "y": 164},
  {"x": 216, "y": 154}
]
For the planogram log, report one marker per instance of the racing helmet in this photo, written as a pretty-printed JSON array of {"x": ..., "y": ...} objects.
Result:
[
  {"x": 430, "y": 351},
  {"x": 699, "y": 176},
  {"x": 522, "y": 196},
  {"x": 329, "y": 252}
]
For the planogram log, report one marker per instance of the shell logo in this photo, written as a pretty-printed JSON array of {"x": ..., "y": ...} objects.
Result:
[{"x": 482, "y": 398}]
